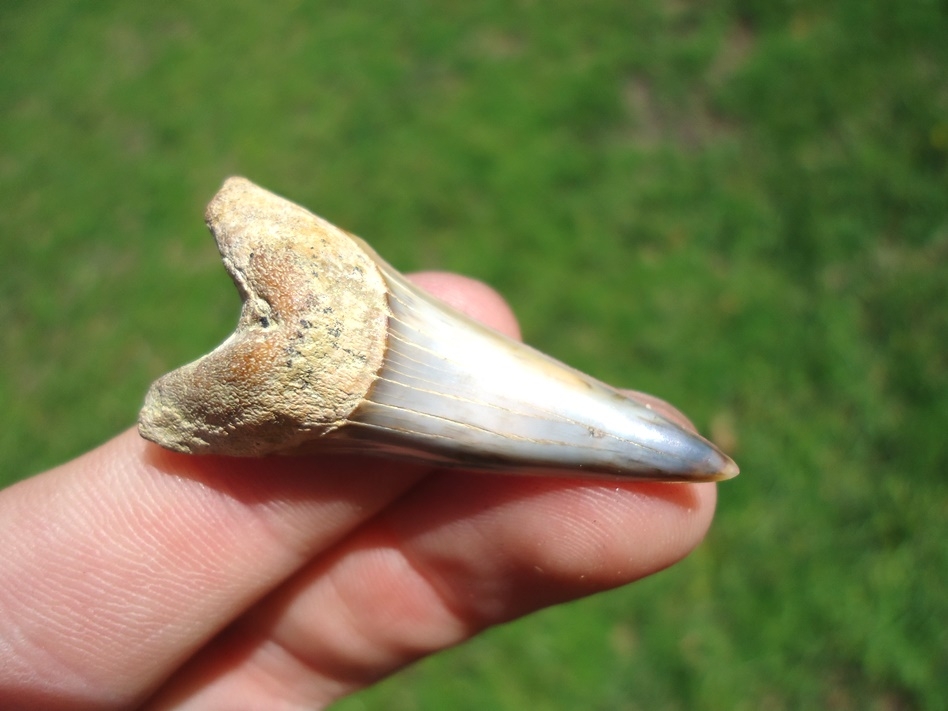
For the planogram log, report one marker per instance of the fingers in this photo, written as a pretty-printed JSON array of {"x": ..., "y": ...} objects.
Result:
[
  {"x": 464, "y": 552},
  {"x": 119, "y": 565},
  {"x": 459, "y": 553},
  {"x": 122, "y": 563}
]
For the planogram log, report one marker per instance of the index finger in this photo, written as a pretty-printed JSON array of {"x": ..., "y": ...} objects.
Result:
[{"x": 119, "y": 565}]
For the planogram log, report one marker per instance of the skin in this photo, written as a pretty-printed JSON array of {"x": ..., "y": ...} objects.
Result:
[{"x": 134, "y": 577}]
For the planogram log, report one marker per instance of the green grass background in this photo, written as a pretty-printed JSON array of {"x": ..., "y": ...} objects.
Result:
[{"x": 739, "y": 206}]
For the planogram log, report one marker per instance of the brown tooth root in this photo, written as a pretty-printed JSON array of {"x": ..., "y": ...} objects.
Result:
[
  {"x": 336, "y": 351},
  {"x": 312, "y": 299}
]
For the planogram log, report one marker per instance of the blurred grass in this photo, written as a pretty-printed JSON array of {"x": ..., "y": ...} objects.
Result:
[{"x": 739, "y": 206}]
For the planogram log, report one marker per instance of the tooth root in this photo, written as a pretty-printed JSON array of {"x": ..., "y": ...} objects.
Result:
[
  {"x": 309, "y": 342},
  {"x": 336, "y": 351}
]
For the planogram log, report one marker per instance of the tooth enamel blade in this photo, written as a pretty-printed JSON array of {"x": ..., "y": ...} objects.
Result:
[{"x": 469, "y": 396}]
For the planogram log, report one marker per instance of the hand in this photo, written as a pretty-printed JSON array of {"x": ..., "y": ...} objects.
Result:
[{"x": 136, "y": 576}]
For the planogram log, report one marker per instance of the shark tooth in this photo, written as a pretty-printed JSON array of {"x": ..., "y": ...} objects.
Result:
[{"x": 335, "y": 351}]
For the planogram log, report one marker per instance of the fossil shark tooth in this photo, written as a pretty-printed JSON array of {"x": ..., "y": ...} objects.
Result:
[{"x": 336, "y": 351}]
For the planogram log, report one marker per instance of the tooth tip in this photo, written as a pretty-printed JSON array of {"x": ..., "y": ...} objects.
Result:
[
  {"x": 729, "y": 470},
  {"x": 719, "y": 466}
]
